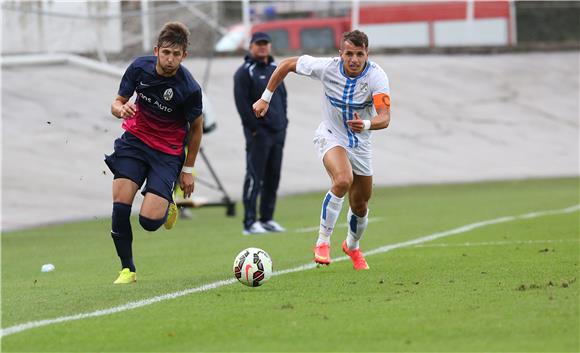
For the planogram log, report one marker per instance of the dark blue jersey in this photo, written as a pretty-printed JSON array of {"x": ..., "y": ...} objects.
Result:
[{"x": 164, "y": 104}]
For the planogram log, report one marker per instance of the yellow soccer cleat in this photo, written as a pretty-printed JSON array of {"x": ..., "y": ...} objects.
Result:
[
  {"x": 172, "y": 214},
  {"x": 126, "y": 276}
]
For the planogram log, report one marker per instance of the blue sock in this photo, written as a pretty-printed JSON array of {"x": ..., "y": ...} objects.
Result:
[
  {"x": 149, "y": 224},
  {"x": 122, "y": 234}
]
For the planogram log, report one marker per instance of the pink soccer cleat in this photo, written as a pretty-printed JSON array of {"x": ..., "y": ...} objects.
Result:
[
  {"x": 357, "y": 257},
  {"x": 322, "y": 254}
]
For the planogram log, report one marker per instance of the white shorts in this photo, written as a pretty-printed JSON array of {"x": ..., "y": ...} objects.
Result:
[{"x": 324, "y": 140}]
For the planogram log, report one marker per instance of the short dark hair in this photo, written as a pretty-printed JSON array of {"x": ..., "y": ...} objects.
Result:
[
  {"x": 172, "y": 34},
  {"x": 357, "y": 38}
]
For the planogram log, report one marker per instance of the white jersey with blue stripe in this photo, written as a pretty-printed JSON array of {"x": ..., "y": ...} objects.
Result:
[{"x": 344, "y": 95}]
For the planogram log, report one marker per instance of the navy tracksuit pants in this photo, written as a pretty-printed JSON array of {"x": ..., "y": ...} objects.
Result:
[{"x": 263, "y": 166}]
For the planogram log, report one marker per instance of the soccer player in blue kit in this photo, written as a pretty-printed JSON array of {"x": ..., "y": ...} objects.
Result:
[
  {"x": 165, "y": 117},
  {"x": 356, "y": 101}
]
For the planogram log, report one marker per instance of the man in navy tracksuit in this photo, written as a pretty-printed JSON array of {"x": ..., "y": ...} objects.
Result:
[{"x": 264, "y": 137}]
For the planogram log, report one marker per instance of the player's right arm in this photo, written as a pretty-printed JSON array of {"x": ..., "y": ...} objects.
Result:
[
  {"x": 122, "y": 108},
  {"x": 282, "y": 70}
]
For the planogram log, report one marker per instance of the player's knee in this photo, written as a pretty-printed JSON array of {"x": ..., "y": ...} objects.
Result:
[
  {"x": 343, "y": 183},
  {"x": 359, "y": 208},
  {"x": 150, "y": 224}
]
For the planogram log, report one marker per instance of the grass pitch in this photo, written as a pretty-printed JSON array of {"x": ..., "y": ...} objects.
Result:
[{"x": 509, "y": 286}]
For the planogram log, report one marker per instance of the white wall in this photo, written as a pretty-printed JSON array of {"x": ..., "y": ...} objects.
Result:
[
  {"x": 60, "y": 26},
  {"x": 415, "y": 34},
  {"x": 465, "y": 33},
  {"x": 455, "y": 33}
]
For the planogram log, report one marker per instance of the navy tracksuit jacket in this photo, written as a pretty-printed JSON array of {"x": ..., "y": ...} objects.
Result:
[{"x": 264, "y": 137}]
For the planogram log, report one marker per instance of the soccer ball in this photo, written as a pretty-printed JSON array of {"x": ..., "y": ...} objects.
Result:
[{"x": 253, "y": 267}]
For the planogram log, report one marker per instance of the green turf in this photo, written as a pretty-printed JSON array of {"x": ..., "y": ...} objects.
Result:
[{"x": 504, "y": 287}]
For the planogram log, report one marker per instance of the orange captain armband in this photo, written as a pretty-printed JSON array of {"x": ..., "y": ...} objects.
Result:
[{"x": 381, "y": 100}]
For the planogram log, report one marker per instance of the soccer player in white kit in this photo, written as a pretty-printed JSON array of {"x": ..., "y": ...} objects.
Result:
[{"x": 356, "y": 100}]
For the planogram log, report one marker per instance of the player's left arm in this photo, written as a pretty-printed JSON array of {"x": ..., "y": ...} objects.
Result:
[
  {"x": 381, "y": 100},
  {"x": 186, "y": 179},
  {"x": 382, "y": 103},
  {"x": 193, "y": 107}
]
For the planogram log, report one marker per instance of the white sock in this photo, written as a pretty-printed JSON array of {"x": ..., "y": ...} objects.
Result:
[
  {"x": 356, "y": 227},
  {"x": 331, "y": 207}
]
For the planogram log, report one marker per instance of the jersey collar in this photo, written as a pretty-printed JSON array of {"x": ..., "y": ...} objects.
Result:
[{"x": 364, "y": 72}]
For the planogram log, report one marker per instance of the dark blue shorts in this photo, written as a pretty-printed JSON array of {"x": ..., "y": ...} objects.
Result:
[{"x": 136, "y": 161}]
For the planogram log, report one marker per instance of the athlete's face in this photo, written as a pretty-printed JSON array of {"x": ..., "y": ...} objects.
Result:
[
  {"x": 354, "y": 58},
  {"x": 260, "y": 50},
  {"x": 168, "y": 59}
]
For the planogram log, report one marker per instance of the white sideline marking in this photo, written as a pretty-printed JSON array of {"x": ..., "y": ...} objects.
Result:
[
  {"x": 133, "y": 305},
  {"x": 494, "y": 243}
]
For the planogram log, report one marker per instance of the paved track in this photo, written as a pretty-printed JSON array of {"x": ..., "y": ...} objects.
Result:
[{"x": 454, "y": 118}]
